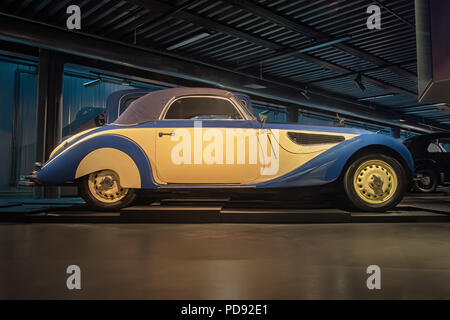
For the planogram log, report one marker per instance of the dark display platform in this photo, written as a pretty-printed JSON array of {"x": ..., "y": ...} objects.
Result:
[{"x": 414, "y": 208}]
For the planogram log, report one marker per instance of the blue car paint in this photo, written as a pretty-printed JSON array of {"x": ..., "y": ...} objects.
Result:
[
  {"x": 104, "y": 128},
  {"x": 328, "y": 166},
  {"x": 59, "y": 171}
]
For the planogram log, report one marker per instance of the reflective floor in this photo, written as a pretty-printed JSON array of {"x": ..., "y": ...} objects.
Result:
[{"x": 225, "y": 261}]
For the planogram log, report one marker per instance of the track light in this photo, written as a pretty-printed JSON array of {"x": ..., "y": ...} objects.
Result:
[
  {"x": 304, "y": 93},
  {"x": 341, "y": 122},
  {"x": 92, "y": 83},
  {"x": 318, "y": 45},
  {"x": 359, "y": 82},
  {"x": 188, "y": 41},
  {"x": 254, "y": 86},
  {"x": 377, "y": 97}
]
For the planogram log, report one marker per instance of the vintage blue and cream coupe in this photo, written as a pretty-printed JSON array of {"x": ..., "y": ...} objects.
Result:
[{"x": 208, "y": 139}]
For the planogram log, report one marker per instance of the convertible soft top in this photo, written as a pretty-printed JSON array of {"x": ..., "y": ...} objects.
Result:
[{"x": 150, "y": 106}]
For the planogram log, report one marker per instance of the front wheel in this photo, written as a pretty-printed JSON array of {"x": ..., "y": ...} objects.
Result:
[
  {"x": 102, "y": 191},
  {"x": 374, "y": 182}
]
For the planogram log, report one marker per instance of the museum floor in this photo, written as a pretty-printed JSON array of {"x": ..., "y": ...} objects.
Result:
[
  {"x": 325, "y": 258},
  {"x": 225, "y": 261}
]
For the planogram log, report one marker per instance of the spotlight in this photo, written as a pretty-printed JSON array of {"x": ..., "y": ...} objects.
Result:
[
  {"x": 304, "y": 93},
  {"x": 91, "y": 83},
  {"x": 359, "y": 82},
  {"x": 254, "y": 86},
  {"x": 377, "y": 97},
  {"x": 188, "y": 41},
  {"x": 341, "y": 122}
]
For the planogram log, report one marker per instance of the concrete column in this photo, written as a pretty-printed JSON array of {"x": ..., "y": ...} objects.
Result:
[
  {"x": 292, "y": 114},
  {"x": 395, "y": 132},
  {"x": 50, "y": 85}
]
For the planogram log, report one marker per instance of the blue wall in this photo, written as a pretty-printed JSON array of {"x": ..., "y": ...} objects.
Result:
[
  {"x": 276, "y": 115},
  {"x": 82, "y": 104},
  {"x": 24, "y": 84},
  {"x": 76, "y": 97}
]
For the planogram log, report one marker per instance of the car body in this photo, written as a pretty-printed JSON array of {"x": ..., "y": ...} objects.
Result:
[
  {"x": 201, "y": 138},
  {"x": 431, "y": 159}
]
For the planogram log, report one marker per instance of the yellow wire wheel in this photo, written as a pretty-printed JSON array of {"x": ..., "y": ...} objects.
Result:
[
  {"x": 375, "y": 181},
  {"x": 105, "y": 186}
]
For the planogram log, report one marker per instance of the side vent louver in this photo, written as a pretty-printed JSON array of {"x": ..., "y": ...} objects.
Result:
[{"x": 310, "y": 138}]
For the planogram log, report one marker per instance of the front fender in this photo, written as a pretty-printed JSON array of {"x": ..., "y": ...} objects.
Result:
[
  {"x": 112, "y": 152},
  {"x": 328, "y": 166}
]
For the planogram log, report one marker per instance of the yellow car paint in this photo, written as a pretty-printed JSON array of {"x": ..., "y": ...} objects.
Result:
[{"x": 111, "y": 159}]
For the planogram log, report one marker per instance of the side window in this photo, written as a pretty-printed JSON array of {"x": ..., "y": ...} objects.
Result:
[
  {"x": 201, "y": 108},
  {"x": 434, "y": 147}
]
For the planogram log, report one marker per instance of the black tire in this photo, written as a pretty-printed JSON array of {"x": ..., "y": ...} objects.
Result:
[
  {"x": 356, "y": 202},
  {"x": 427, "y": 185},
  {"x": 96, "y": 204}
]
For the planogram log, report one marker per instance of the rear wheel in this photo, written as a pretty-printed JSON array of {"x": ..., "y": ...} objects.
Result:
[
  {"x": 374, "y": 182},
  {"x": 427, "y": 180},
  {"x": 102, "y": 190}
]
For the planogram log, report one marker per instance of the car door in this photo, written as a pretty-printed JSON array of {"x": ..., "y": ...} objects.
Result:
[{"x": 206, "y": 140}]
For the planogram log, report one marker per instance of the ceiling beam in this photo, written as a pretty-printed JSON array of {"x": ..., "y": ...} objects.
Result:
[
  {"x": 361, "y": 71},
  {"x": 210, "y": 24},
  {"x": 110, "y": 18},
  {"x": 59, "y": 39},
  {"x": 257, "y": 58},
  {"x": 305, "y": 30},
  {"x": 395, "y": 14},
  {"x": 145, "y": 25}
]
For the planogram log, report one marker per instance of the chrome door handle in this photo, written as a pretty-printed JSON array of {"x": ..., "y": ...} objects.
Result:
[{"x": 166, "y": 134}]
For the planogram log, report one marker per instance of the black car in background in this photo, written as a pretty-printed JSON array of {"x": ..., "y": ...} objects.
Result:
[{"x": 431, "y": 154}]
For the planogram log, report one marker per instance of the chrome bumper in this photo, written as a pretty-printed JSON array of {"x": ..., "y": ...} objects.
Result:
[{"x": 31, "y": 179}]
